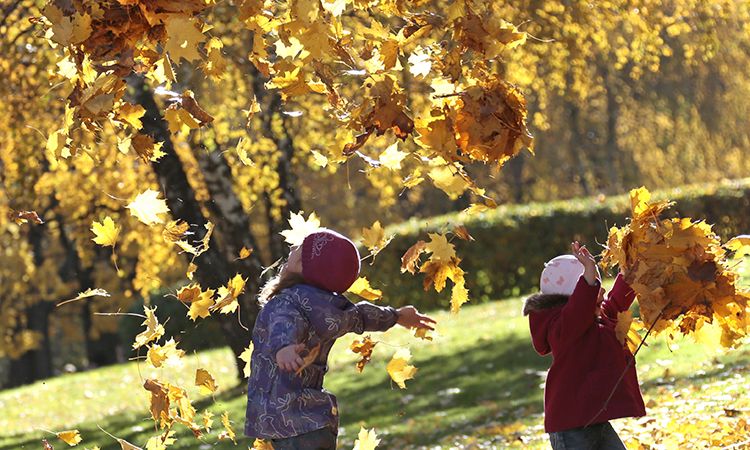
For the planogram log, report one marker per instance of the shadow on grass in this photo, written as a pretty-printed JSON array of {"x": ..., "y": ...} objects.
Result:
[
  {"x": 484, "y": 382},
  {"x": 492, "y": 380}
]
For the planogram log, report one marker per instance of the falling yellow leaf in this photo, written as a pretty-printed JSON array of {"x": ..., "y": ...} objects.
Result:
[
  {"x": 319, "y": 159},
  {"x": 205, "y": 381},
  {"x": 175, "y": 230},
  {"x": 366, "y": 440},
  {"x": 201, "y": 305},
  {"x": 246, "y": 356},
  {"x": 226, "y": 301},
  {"x": 208, "y": 420},
  {"x": 364, "y": 349},
  {"x": 86, "y": 294},
  {"x": 147, "y": 207},
  {"x": 161, "y": 442},
  {"x": 392, "y": 157},
  {"x": 70, "y": 437},
  {"x": 106, "y": 232},
  {"x": 131, "y": 114},
  {"x": 449, "y": 182},
  {"x": 374, "y": 238},
  {"x": 421, "y": 333},
  {"x": 228, "y": 431},
  {"x": 165, "y": 355},
  {"x": 362, "y": 288},
  {"x": 260, "y": 444},
  {"x": 420, "y": 62},
  {"x": 154, "y": 330},
  {"x": 399, "y": 369},
  {"x": 300, "y": 227},
  {"x": 441, "y": 249},
  {"x": 410, "y": 260},
  {"x": 245, "y": 253}
]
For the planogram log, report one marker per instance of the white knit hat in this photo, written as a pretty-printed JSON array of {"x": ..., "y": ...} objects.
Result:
[{"x": 560, "y": 275}]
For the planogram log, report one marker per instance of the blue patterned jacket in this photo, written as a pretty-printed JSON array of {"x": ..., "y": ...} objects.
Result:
[{"x": 280, "y": 404}]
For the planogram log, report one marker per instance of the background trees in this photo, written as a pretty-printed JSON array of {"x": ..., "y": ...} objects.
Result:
[{"x": 293, "y": 102}]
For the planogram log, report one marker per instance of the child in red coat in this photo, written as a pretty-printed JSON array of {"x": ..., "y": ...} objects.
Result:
[{"x": 572, "y": 319}]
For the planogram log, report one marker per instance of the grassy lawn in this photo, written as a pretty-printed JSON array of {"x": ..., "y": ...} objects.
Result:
[{"x": 479, "y": 386}]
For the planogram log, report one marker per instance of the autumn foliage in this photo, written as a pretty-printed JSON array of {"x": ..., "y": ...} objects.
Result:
[{"x": 679, "y": 270}]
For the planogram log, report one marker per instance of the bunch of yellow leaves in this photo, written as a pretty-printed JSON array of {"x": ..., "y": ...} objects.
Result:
[
  {"x": 679, "y": 271},
  {"x": 441, "y": 266}
]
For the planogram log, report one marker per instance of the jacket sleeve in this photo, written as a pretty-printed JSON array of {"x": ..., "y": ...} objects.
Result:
[
  {"x": 578, "y": 313},
  {"x": 286, "y": 326},
  {"x": 619, "y": 299},
  {"x": 369, "y": 317}
]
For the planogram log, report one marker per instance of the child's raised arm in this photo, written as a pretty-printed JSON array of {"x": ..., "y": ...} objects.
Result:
[{"x": 619, "y": 298}]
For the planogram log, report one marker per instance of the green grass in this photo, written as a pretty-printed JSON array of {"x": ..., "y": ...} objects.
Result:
[{"x": 478, "y": 386}]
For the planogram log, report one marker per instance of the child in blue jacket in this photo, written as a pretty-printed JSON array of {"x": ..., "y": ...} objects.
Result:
[{"x": 302, "y": 315}]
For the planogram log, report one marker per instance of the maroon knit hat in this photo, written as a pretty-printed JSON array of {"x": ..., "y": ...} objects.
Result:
[{"x": 329, "y": 261}]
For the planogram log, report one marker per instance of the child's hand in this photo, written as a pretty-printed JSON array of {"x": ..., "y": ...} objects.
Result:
[
  {"x": 289, "y": 359},
  {"x": 409, "y": 317},
  {"x": 590, "y": 269}
]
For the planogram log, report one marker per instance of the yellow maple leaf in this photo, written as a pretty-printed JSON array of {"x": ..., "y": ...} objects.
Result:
[
  {"x": 364, "y": 349},
  {"x": 422, "y": 333},
  {"x": 165, "y": 355},
  {"x": 366, "y": 440},
  {"x": 161, "y": 442},
  {"x": 260, "y": 444},
  {"x": 208, "y": 420},
  {"x": 392, "y": 157},
  {"x": 740, "y": 245},
  {"x": 362, "y": 288},
  {"x": 399, "y": 368},
  {"x": 441, "y": 249},
  {"x": 154, "y": 330},
  {"x": 335, "y": 7},
  {"x": 420, "y": 62},
  {"x": 300, "y": 227},
  {"x": 105, "y": 232},
  {"x": 449, "y": 182},
  {"x": 459, "y": 293},
  {"x": 319, "y": 159},
  {"x": 183, "y": 37},
  {"x": 226, "y": 300},
  {"x": 245, "y": 253},
  {"x": 374, "y": 238},
  {"x": 147, "y": 206},
  {"x": 246, "y": 356},
  {"x": 131, "y": 114},
  {"x": 200, "y": 307},
  {"x": 70, "y": 437},
  {"x": 228, "y": 431},
  {"x": 205, "y": 381},
  {"x": 91, "y": 292},
  {"x": 410, "y": 259}
]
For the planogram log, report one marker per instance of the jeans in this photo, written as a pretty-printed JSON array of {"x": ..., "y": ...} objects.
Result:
[
  {"x": 600, "y": 436},
  {"x": 323, "y": 439}
]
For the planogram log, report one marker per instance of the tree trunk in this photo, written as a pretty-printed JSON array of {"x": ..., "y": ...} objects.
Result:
[
  {"x": 35, "y": 364},
  {"x": 219, "y": 263},
  {"x": 612, "y": 154}
]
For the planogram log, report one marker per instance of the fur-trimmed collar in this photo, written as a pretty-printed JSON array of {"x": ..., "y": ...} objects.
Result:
[{"x": 539, "y": 301}]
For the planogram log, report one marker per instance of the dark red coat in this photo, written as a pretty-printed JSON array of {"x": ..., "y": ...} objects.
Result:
[{"x": 587, "y": 359}]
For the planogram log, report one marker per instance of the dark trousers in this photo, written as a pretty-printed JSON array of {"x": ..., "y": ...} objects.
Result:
[
  {"x": 593, "y": 437},
  {"x": 323, "y": 439}
]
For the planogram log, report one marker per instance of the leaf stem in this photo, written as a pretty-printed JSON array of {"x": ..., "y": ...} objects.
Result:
[{"x": 630, "y": 363}]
